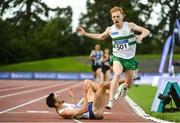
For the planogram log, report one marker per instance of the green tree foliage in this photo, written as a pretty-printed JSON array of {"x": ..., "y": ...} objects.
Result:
[
  {"x": 53, "y": 38},
  {"x": 169, "y": 12},
  {"x": 98, "y": 18},
  {"x": 98, "y": 15},
  {"x": 5, "y": 40},
  {"x": 26, "y": 14},
  {"x": 28, "y": 37}
]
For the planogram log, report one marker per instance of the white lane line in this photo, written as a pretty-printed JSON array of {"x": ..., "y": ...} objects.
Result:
[
  {"x": 32, "y": 90},
  {"x": 140, "y": 112},
  {"x": 31, "y": 112},
  {"x": 32, "y": 101},
  {"x": 107, "y": 113},
  {"x": 15, "y": 88},
  {"x": 77, "y": 121},
  {"x": 120, "y": 113},
  {"x": 43, "y": 112}
]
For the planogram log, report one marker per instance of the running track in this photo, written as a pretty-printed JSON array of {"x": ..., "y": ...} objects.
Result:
[{"x": 24, "y": 101}]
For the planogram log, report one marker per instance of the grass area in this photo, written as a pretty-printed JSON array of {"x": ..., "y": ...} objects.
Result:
[
  {"x": 65, "y": 64},
  {"x": 143, "y": 95},
  {"x": 153, "y": 56}
]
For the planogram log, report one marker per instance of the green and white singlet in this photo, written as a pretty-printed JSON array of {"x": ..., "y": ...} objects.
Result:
[{"x": 123, "y": 41}]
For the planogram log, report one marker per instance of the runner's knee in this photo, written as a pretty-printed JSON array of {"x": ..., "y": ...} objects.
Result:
[
  {"x": 104, "y": 85},
  {"x": 86, "y": 84}
]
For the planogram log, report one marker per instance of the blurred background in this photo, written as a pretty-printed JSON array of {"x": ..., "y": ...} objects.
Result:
[{"x": 43, "y": 29}]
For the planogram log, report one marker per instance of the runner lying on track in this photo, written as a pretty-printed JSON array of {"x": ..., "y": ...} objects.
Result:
[{"x": 94, "y": 101}]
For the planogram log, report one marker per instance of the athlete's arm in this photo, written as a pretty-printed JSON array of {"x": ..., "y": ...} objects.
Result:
[
  {"x": 84, "y": 107},
  {"x": 101, "y": 36},
  {"x": 71, "y": 113},
  {"x": 144, "y": 32}
]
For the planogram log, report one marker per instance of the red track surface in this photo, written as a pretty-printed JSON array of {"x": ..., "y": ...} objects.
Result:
[{"x": 24, "y": 101}]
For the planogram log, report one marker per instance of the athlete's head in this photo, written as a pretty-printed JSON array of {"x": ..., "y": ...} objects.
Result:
[
  {"x": 117, "y": 15},
  {"x": 54, "y": 100},
  {"x": 97, "y": 47}
]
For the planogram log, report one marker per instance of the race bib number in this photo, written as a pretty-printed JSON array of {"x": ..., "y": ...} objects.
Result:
[{"x": 121, "y": 45}]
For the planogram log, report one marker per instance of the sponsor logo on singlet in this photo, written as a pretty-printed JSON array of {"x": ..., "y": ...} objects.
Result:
[{"x": 114, "y": 33}]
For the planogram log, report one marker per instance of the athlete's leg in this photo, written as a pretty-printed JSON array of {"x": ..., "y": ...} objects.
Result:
[
  {"x": 129, "y": 76},
  {"x": 97, "y": 97},
  {"x": 89, "y": 83},
  {"x": 107, "y": 75},
  {"x": 99, "y": 75},
  {"x": 121, "y": 82},
  {"x": 125, "y": 84},
  {"x": 94, "y": 74},
  {"x": 71, "y": 94},
  {"x": 100, "y": 99},
  {"x": 94, "y": 71},
  {"x": 119, "y": 89},
  {"x": 117, "y": 69}
]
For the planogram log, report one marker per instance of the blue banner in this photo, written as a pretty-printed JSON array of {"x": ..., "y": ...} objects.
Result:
[
  {"x": 46, "y": 75},
  {"x": 165, "y": 54},
  {"x": 86, "y": 75},
  {"x": 4, "y": 75},
  {"x": 68, "y": 76},
  {"x": 178, "y": 27},
  {"x": 21, "y": 75}
]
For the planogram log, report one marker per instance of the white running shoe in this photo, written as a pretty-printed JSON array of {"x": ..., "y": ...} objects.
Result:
[
  {"x": 109, "y": 105},
  {"x": 118, "y": 92}
]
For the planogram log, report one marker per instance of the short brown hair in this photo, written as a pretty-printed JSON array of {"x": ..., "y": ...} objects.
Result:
[{"x": 115, "y": 9}]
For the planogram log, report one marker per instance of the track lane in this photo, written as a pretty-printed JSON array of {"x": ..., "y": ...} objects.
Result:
[{"x": 37, "y": 111}]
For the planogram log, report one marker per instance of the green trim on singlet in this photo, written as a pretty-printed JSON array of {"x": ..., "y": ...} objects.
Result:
[
  {"x": 123, "y": 37},
  {"x": 132, "y": 43}
]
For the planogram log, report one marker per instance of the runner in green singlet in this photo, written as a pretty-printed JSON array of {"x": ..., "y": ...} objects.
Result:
[{"x": 124, "y": 47}]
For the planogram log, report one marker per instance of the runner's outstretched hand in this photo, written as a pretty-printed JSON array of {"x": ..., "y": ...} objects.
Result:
[{"x": 80, "y": 30}]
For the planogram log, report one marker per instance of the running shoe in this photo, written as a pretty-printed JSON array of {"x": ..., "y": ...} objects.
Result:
[
  {"x": 118, "y": 92},
  {"x": 109, "y": 105},
  {"x": 124, "y": 92}
]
